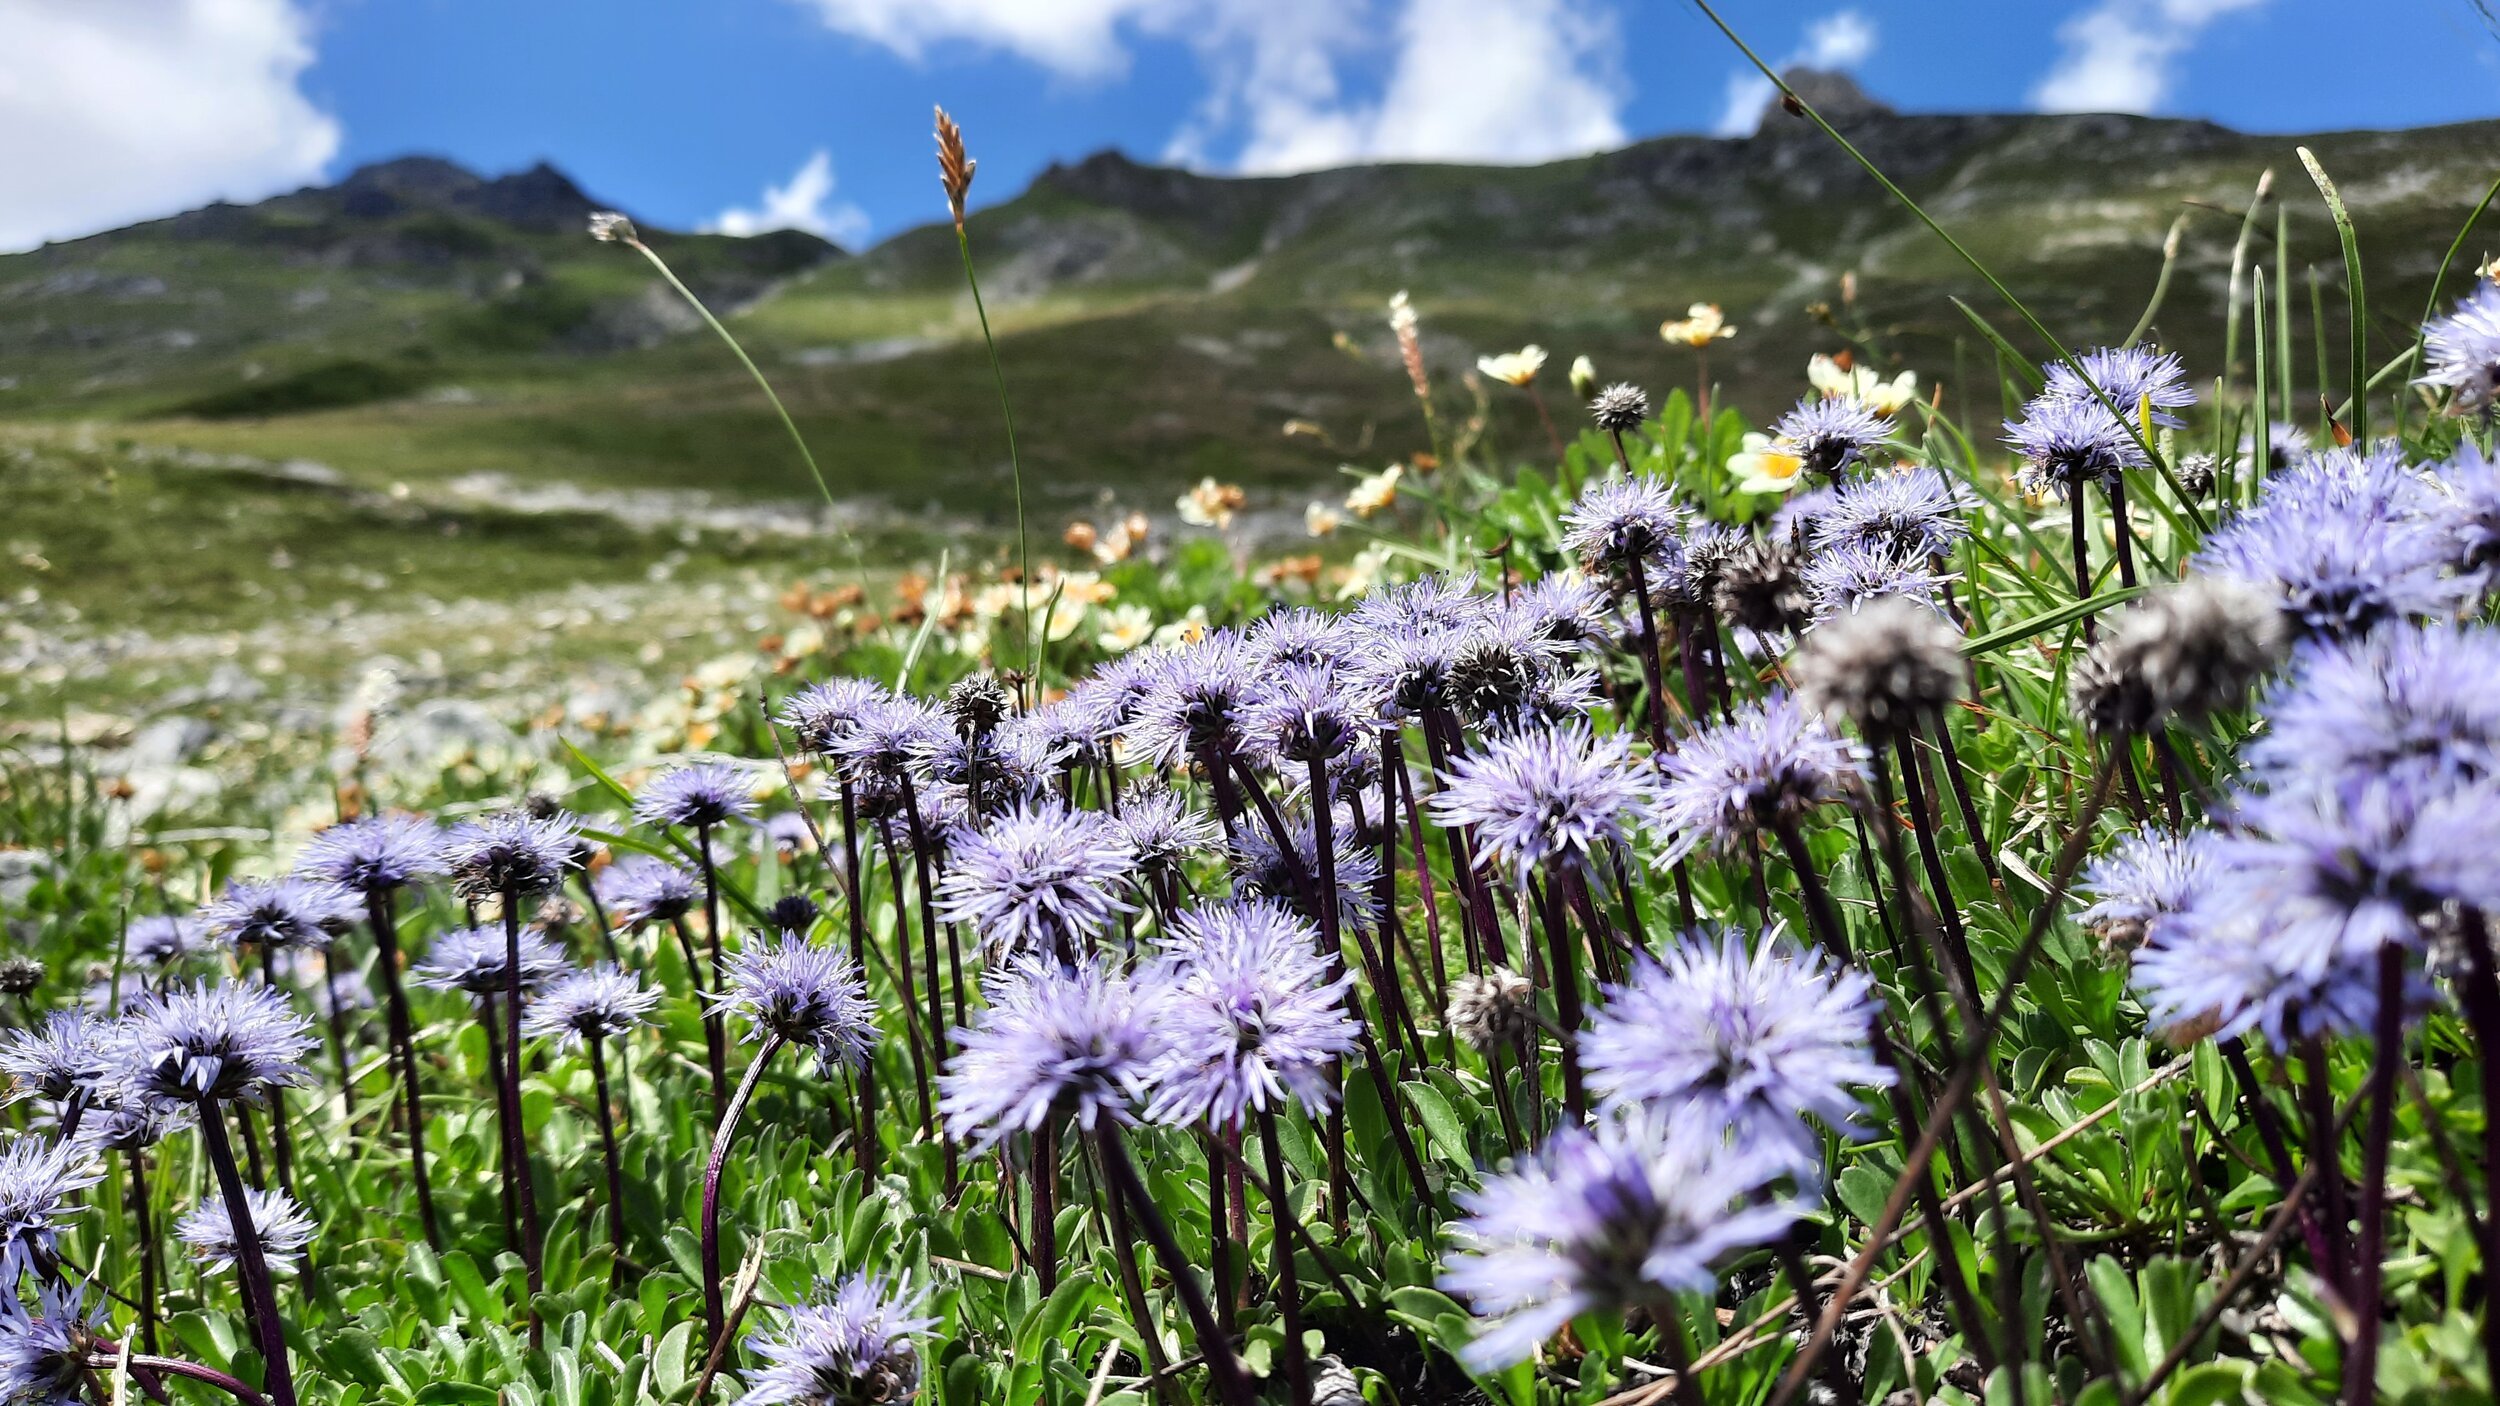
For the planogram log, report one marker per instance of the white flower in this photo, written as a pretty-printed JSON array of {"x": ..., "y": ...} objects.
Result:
[
  {"x": 1861, "y": 384},
  {"x": 1189, "y": 629},
  {"x": 1211, "y": 504},
  {"x": 1514, "y": 368},
  {"x": 1321, "y": 520},
  {"x": 1701, "y": 325},
  {"x": 1765, "y": 466},
  {"x": 1124, "y": 627},
  {"x": 1375, "y": 491},
  {"x": 1365, "y": 571}
]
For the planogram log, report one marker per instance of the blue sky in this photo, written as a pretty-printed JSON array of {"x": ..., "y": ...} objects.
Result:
[{"x": 745, "y": 114}]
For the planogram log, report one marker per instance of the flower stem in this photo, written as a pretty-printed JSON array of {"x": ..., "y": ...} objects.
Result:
[
  {"x": 1015, "y": 464},
  {"x": 1232, "y": 1384},
  {"x": 2370, "y": 1259},
  {"x": 260, "y": 1304},
  {"x": 1288, "y": 1287},
  {"x": 403, "y": 1050},
  {"x": 517, "y": 1148},
  {"x": 616, "y": 1173},
  {"x": 176, "y": 1367},
  {"x": 2479, "y": 994},
  {"x": 1560, "y": 943},
  {"x": 143, "y": 1222},
  {"x": 870, "y": 1145},
  {"x": 715, "y": 1313}
]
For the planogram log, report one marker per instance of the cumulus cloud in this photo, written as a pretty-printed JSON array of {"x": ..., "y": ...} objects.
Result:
[
  {"x": 111, "y": 113},
  {"x": 1837, "y": 42},
  {"x": 1286, "y": 80},
  {"x": 805, "y": 201},
  {"x": 2123, "y": 55}
]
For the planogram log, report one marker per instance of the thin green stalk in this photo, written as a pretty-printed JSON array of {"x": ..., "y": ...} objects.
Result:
[
  {"x": 1015, "y": 465},
  {"x": 2430, "y": 304},
  {"x": 2161, "y": 281},
  {"x": 2358, "y": 304},
  {"x": 2239, "y": 265},
  {"x": 2261, "y": 442},
  {"x": 2283, "y": 310}
]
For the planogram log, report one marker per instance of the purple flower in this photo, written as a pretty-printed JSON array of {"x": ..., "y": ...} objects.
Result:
[
  {"x": 473, "y": 960},
  {"x": 1261, "y": 869},
  {"x": 162, "y": 939},
  {"x": 1563, "y": 607},
  {"x": 374, "y": 854},
  {"x": 113, "y": 1128},
  {"x": 1846, "y": 575},
  {"x": 1040, "y": 879},
  {"x": 813, "y": 997},
  {"x": 1075, "y": 1042},
  {"x": 850, "y": 1346},
  {"x": 1252, "y": 1015},
  {"x": 1409, "y": 670},
  {"x": 2411, "y": 705},
  {"x": 1160, "y": 830},
  {"x": 2129, "y": 376},
  {"x": 1306, "y": 714},
  {"x": 2067, "y": 444},
  {"x": 280, "y": 913},
  {"x": 642, "y": 888},
  {"x": 696, "y": 797},
  {"x": 597, "y": 1004},
  {"x": 886, "y": 742},
  {"x": 1616, "y": 1215},
  {"x": 281, "y": 1222},
  {"x": 44, "y": 1355},
  {"x": 2338, "y": 568},
  {"x": 1768, "y": 766},
  {"x": 2152, "y": 875},
  {"x": 1914, "y": 514},
  {"x": 1300, "y": 636},
  {"x": 2462, "y": 350},
  {"x": 70, "y": 1053},
  {"x": 1562, "y": 794},
  {"x": 1065, "y": 732},
  {"x": 2223, "y": 979},
  {"x": 1618, "y": 522},
  {"x": 821, "y": 714},
  {"x": 1195, "y": 706},
  {"x": 1748, "y": 1042},
  {"x": 38, "y": 1179},
  {"x": 204, "y": 1042},
  {"x": 2467, "y": 512},
  {"x": 1829, "y": 434},
  {"x": 513, "y": 852},
  {"x": 1436, "y": 602},
  {"x": 1111, "y": 694}
]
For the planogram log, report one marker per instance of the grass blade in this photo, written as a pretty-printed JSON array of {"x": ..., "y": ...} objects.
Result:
[{"x": 2357, "y": 301}]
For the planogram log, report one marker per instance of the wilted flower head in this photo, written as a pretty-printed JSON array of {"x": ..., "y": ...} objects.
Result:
[
  {"x": 2462, "y": 350},
  {"x": 205, "y": 1042},
  {"x": 515, "y": 852},
  {"x": 1768, "y": 766},
  {"x": 281, "y": 1221},
  {"x": 1618, "y": 1214},
  {"x": 1847, "y": 576},
  {"x": 1559, "y": 794},
  {"x": 1619, "y": 408},
  {"x": 2131, "y": 377},
  {"x": 822, "y": 713},
  {"x": 2191, "y": 650},
  {"x": 698, "y": 796},
  {"x": 2136, "y": 887},
  {"x": 70, "y": 1053},
  {"x": 643, "y": 888},
  {"x": 1040, "y": 879},
  {"x": 38, "y": 1181},
  {"x": 1914, "y": 513},
  {"x": 1749, "y": 1042},
  {"x": 1829, "y": 435},
  {"x": 280, "y": 913},
  {"x": 2070, "y": 444},
  {"x": 21, "y": 976},
  {"x": 1057, "y": 1041},
  {"x": 610, "y": 227},
  {"x": 472, "y": 960},
  {"x": 1883, "y": 669},
  {"x": 1252, "y": 1014},
  {"x": 978, "y": 702},
  {"x": 597, "y": 1004},
  {"x": 813, "y": 997},
  {"x": 850, "y": 1346},
  {"x": 1760, "y": 593},
  {"x": 374, "y": 854},
  {"x": 793, "y": 913},
  {"x": 1492, "y": 1010}
]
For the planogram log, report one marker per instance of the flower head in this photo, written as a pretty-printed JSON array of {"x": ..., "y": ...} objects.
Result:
[
  {"x": 1557, "y": 794},
  {"x": 374, "y": 854},
  {"x": 1514, "y": 368},
  {"x": 1882, "y": 669},
  {"x": 1605, "y": 1217},
  {"x": 2342, "y": 553},
  {"x": 280, "y": 913},
  {"x": 1251, "y": 1015},
  {"x": 1701, "y": 325},
  {"x": 2138, "y": 379},
  {"x": 1768, "y": 766},
  {"x": 70, "y": 1053},
  {"x": 1750, "y": 1042},
  {"x": 513, "y": 852},
  {"x": 2467, "y": 511},
  {"x": 39, "y": 1180},
  {"x": 2410, "y": 706},
  {"x": 1914, "y": 514},
  {"x": 1194, "y": 707},
  {"x": 597, "y": 1004},
  {"x": 2188, "y": 650},
  {"x": 1493, "y": 1010},
  {"x": 473, "y": 960},
  {"x": 643, "y": 888},
  {"x": 1161, "y": 830},
  {"x": 162, "y": 939},
  {"x": 1306, "y": 714},
  {"x": 192, "y": 1044},
  {"x": 849, "y": 1346},
  {"x": 696, "y": 797},
  {"x": 1261, "y": 868},
  {"x": 45, "y": 1355},
  {"x": 280, "y": 1221},
  {"x": 822, "y": 713},
  {"x": 1619, "y": 408},
  {"x": 813, "y": 997},
  {"x": 1039, "y": 879},
  {"x": 1828, "y": 436},
  {"x": 2463, "y": 350},
  {"x": 1618, "y": 523},
  {"x": 1843, "y": 578},
  {"x": 1071, "y": 1041},
  {"x": 2137, "y": 887},
  {"x": 2068, "y": 445}
]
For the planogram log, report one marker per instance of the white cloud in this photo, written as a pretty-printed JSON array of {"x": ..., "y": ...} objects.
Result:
[
  {"x": 2122, "y": 55},
  {"x": 112, "y": 112},
  {"x": 1837, "y": 42},
  {"x": 1479, "y": 80},
  {"x": 805, "y": 201}
]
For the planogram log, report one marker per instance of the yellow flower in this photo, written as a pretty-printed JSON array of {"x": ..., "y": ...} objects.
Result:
[
  {"x": 1211, "y": 504},
  {"x": 1320, "y": 520},
  {"x": 1375, "y": 491},
  {"x": 1701, "y": 325},
  {"x": 1124, "y": 627},
  {"x": 1765, "y": 466},
  {"x": 1861, "y": 384},
  {"x": 1514, "y": 368}
]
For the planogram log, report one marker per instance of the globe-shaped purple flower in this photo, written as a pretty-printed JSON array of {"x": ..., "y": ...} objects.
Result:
[
  {"x": 2068, "y": 445},
  {"x": 158, "y": 940},
  {"x": 821, "y": 714},
  {"x": 374, "y": 854},
  {"x": 2412, "y": 706},
  {"x": 70, "y": 1053},
  {"x": 280, "y": 913},
  {"x": 1829, "y": 434},
  {"x": 1560, "y": 794},
  {"x": 39, "y": 1181},
  {"x": 851, "y": 1345},
  {"x": 222, "y": 1042},
  {"x": 1848, "y": 575},
  {"x": 643, "y": 888},
  {"x": 1914, "y": 514},
  {"x": 2136, "y": 888},
  {"x": 1617, "y": 523},
  {"x": 474, "y": 960},
  {"x": 1040, "y": 879},
  {"x": 1076, "y": 1042},
  {"x": 599, "y": 1004},
  {"x": 812, "y": 997},
  {"x": 1252, "y": 1016},
  {"x": 2131, "y": 377},
  {"x": 2462, "y": 350},
  {"x": 513, "y": 852},
  {"x": 1768, "y": 766},
  {"x": 285, "y": 1229},
  {"x": 695, "y": 797}
]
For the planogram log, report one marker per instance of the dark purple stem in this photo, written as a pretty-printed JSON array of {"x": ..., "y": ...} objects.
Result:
[
  {"x": 715, "y": 1315},
  {"x": 260, "y": 1304}
]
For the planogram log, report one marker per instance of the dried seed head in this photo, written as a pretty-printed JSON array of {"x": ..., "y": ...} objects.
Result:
[
  {"x": 954, "y": 168},
  {"x": 1491, "y": 1011},
  {"x": 19, "y": 976},
  {"x": 1620, "y": 408},
  {"x": 609, "y": 227},
  {"x": 1883, "y": 668},
  {"x": 794, "y": 912},
  {"x": 1759, "y": 589},
  {"x": 978, "y": 703},
  {"x": 2196, "y": 476},
  {"x": 2188, "y": 650}
]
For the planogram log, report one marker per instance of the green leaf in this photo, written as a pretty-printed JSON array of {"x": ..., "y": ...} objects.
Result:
[
  {"x": 2041, "y": 624},
  {"x": 1440, "y": 1121}
]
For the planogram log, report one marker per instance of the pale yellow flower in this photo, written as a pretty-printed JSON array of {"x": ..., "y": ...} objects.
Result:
[
  {"x": 1765, "y": 466},
  {"x": 1061, "y": 618},
  {"x": 1583, "y": 377},
  {"x": 1321, "y": 520},
  {"x": 1083, "y": 587},
  {"x": 1124, "y": 627},
  {"x": 1189, "y": 629},
  {"x": 996, "y": 599},
  {"x": 1701, "y": 325},
  {"x": 1364, "y": 572},
  {"x": 1514, "y": 368},
  {"x": 1211, "y": 504},
  {"x": 1115, "y": 546},
  {"x": 1375, "y": 491},
  {"x": 1861, "y": 384}
]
